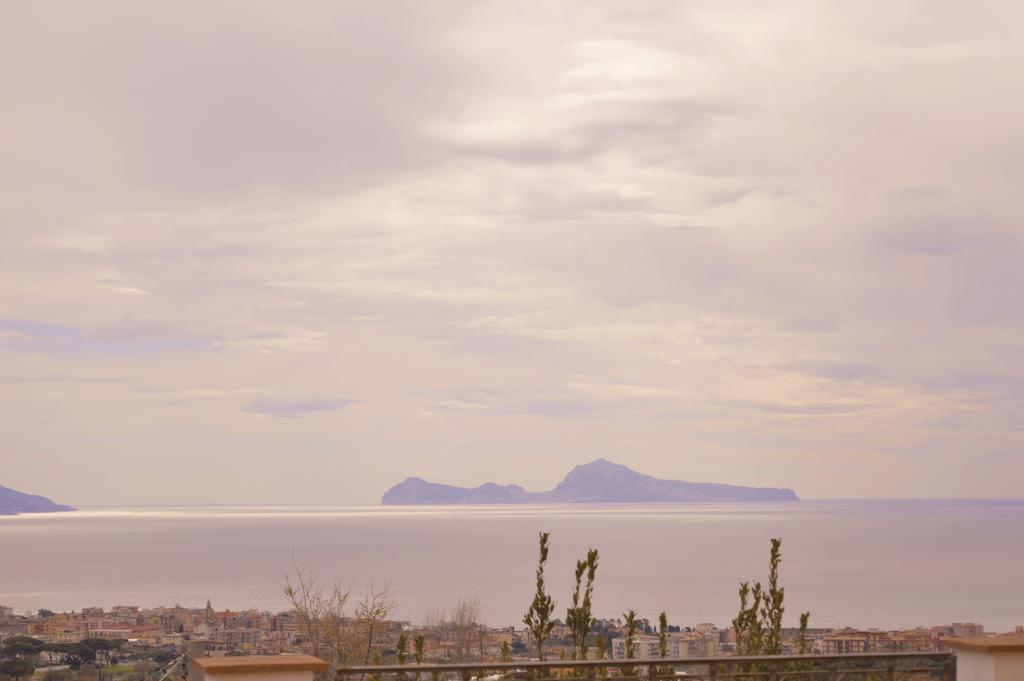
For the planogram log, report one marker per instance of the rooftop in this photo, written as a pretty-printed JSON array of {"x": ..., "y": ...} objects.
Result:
[
  {"x": 260, "y": 663},
  {"x": 1003, "y": 644}
]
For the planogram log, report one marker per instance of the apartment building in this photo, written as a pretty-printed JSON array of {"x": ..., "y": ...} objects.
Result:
[{"x": 687, "y": 644}]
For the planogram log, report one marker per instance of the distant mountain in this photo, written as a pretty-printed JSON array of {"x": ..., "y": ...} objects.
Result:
[
  {"x": 597, "y": 482},
  {"x": 13, "y": 503}
]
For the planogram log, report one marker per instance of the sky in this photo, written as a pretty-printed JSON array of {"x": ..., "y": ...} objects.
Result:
[{"x": 264, "y": 252}]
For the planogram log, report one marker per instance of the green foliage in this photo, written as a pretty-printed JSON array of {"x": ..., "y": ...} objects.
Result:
[
  {"x": 400, "y": 649},
  {"x": 758, "y": 625},
  {"x": 506, "y": 652},
  {"x": 630, "y": 618},
  {"x": 20, "y": 646},
  {"x": 375, "y": 661},
  {"x": 601, "y": 643},
  {"x": 578, "y": 617},
  {"x": 663, "y": 635},
  {"x": 746, "y": 624},
  {"x": 631, "y": 622},
  {"x": 98, "y": 644},
  {"x": 538, "y": 618},
  {"x": 73, "y": 655},
  {"x": 16, "y": 669},
  {"x": 162, "y": 657},
  {"x": 802, "y": 637},
  {"x": 771, "y": 605}
]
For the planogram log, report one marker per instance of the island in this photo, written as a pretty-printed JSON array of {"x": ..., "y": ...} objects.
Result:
[
  {"x": 13, "y": 502},
  {"x": 598, "y": 482}
]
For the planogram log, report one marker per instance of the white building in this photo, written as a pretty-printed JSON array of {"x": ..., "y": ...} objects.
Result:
[{"x": 677, "y": 645}]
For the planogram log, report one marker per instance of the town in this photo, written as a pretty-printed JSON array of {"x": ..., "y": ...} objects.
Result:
[{"x": 147, "y": 634}]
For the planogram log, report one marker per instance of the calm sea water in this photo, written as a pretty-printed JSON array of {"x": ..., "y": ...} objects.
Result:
[{"x": 857, "y": 563}]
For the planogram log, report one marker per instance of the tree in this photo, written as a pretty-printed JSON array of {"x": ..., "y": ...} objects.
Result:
[
  {"x": 630, "y": 619},
  {"x": 578, "y": 617},
  {"x": 73, "y": 655},
  {"x": 418, "y": 645},
  {"x": 100, "y": 644},
  {"x": 401, "y": 648},
  {"x": 746, "y": 624},
  {"x": 802, "y": 637},
  {"x": 506, "y": 652},
  {"x": 602, "y": 646},
  {"x": 374, "y": 607},
  {"x": 100, "y": 648},
  {"x": 758, "y": 625},
  {"x": 663, "y": 635},
  {"x": 375, "y": 661},
  {"x": 16, "y": 669},
  {"x": 21, "y": 647},
  {"x": 538, "y": 617},
  {"x": 771, "y": 605},
  {"x": 324, "y": 623},
  {"x": 465, "y": 620},
  {"x": 401, "y": 651},
  {"x": 631, "y": 622}
]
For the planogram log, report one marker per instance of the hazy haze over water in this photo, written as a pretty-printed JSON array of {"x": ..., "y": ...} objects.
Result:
[{"x": 857, "y": 563}]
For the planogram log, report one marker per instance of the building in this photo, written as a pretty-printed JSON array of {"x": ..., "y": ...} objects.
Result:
[
  {"x": 845, "y": 643},
  {"x": 676, "y": 645},
  {"x": 910, "y": 640}
]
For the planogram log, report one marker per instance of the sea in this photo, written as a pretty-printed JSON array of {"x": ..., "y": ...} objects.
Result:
[{"x": 863, "y": 563}]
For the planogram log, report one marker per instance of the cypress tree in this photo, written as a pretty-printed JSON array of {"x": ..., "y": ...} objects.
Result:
[
  {"x": 802, "y": 638},
  {"x": 772, "y": 607},
  {"x": 400, "y": 649},
  {"x": 758, "y": 624},
  {"x": 578, "y": 617},
  {"x": 663, "y": 635},
  {"x": 418, "y": 646},
  {"x": 538, "y": 617},
  {"x": 630, "y": 618}
]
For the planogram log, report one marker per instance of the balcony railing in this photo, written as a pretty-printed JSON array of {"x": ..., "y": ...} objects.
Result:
[{"x": 872, "y": 667}]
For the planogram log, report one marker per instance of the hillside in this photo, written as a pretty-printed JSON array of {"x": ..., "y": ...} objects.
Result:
[
  {"x": 13, "y": 502},
  {"x": 599, "y": 481}
]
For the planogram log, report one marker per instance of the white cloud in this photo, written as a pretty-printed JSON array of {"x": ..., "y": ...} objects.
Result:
[{"x": 742, "y": 234}]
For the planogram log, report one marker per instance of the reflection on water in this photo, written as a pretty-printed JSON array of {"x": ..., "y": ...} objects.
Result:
[{"x": 862, "y": 563}]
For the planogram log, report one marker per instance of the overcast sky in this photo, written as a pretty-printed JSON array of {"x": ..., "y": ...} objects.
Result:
[{"x": 295, "y": 252}]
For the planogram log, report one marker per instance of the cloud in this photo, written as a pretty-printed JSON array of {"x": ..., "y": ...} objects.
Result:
[
  {"x": 811, "y": 409},
  {"x": 295, "y": 340},
  {"x": 573, "y": 399},
  {"x": 680, "y": 231},
  {"x": 241, "y": 109},
  {"x": 295, "y": 408},
  {"x": 459, "y": 405},
  {"x": 59, "y": 378}
]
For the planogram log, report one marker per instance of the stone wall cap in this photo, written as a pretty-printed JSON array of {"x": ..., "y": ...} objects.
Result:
[
  {"x": 1002, "y": 644},
  {"x": 249, "y": 664}
]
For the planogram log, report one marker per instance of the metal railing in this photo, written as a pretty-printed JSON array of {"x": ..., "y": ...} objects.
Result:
[{"x": 858, "y": 667}]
